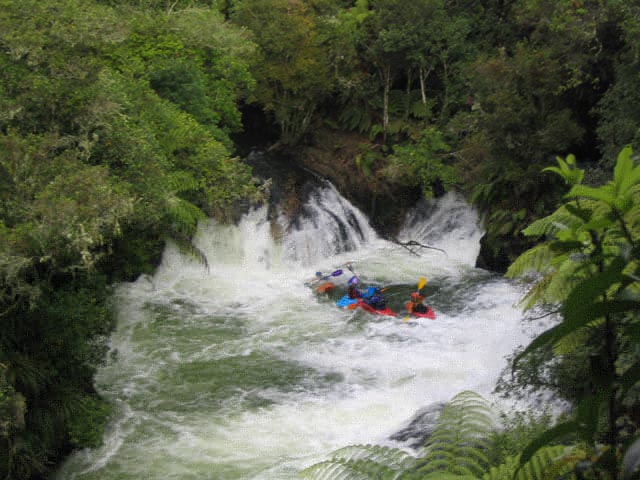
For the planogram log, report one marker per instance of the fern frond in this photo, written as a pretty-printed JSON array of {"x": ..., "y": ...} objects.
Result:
[
  {"x": 544, "y": 461},
  {"x": 361, "y": 462},
  {"x": 448, "y": 476},
  {"x": 536, "y": 259},
  {"x": 183, "y": 215},
  {"x": 536, "y": 293},
  {"x": 577, "y": 339},
  {"x": 566, "y": 277},
  {"x": 331, "y": 470},
  {"x": 391, "y": 457},
  {"x": 181, "y": 181},
  {"x": 560, "y": 220},
  {"x": 398, "y": 102},
  {"x": 456, "y": 450},
  {"x": 504, "y": 471},
  {"x": 354, "y": 118},
  {"x": 459, "y": 442}
]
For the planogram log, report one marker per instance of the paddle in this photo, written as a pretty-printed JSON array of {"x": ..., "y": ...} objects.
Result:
[{"x": 337, "y": 273}]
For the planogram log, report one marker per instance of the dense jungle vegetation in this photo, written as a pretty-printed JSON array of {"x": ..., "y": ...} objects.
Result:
[{"x": 117, "y": 127}]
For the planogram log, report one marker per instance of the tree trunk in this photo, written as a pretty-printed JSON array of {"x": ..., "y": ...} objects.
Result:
[
  {"x": 424, "y": 74},
  {"x": 387, "y": 89},
  {"x": 408, "y": 107}
]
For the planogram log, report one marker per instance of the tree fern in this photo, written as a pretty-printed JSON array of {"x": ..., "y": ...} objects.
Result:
[
  {"x": 398, "y": 102},
  {"x": 536, "y": 259},
  {"x": 560, "y": 220},
  {"x": 356, "y": 119},
  {"x": 456, "y": 449},
  {"x": 547, "y": 464},
  {"x": 577, "y": 339},
  {"x": 361, "y": 462},
  {"x": 594, "y": 276},
  {"x": 504, "y": 471},
  {"x": 183, "y": 215},
  {"x": 458, "y": 444},
  {"x": 181, "y": 181}
]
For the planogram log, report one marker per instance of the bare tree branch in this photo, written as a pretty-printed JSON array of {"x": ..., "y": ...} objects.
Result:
[{"x": 414, "y": 246}]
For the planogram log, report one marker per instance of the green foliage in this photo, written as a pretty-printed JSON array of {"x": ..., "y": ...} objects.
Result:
[
  {"x": 361, "y": 462},
  {"x": 422, "y": 163},
  {"x": 292, "y": 74},
  {"x": 591, "y": 246},
  {"x": 114, "y": 138},
  {"x": 86, "y": 430}
]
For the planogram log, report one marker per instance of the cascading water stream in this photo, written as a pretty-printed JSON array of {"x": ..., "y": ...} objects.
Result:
[{"x": 241, "y": 372}]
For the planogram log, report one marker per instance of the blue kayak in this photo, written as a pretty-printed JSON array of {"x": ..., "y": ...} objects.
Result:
[
  {"x": 345, "y": 301},
  {"x": 351, "y": 303}
]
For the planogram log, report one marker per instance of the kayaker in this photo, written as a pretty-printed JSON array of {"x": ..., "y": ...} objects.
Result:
[
  {"x": 352, "y": 289},
  {"x": 416, "y": 304},
  {"x": 376, "y": 301}
]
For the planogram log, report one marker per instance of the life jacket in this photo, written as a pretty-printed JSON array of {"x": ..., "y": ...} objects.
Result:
[
  {"x": 353, "y": 292},
  {"x": 377, "y": 302},
  {"x": 420, "y": 308}
]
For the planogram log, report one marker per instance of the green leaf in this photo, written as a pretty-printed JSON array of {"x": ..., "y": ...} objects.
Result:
[
  {"x": 604, "y": 193},
  {"x": 588, "y": 415},
  {"x": 585, "y": 293},
  {"x": 622, "y": 172},
  {"x": 583, "y": 214},
  {"x": 630, "y": 378},
  {"x": 559, "y": 431}
]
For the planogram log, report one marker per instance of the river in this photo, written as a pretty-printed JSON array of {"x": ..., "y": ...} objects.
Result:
[{"x": 242, "y": 372}]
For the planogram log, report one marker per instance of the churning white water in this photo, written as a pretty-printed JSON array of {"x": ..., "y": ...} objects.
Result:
[{"x": 242, "y": 372}]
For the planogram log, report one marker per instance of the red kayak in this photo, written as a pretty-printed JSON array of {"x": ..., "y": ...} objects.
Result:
[
  {"x": 370, "y": 309},
  {"x": 428, "y": 314}
]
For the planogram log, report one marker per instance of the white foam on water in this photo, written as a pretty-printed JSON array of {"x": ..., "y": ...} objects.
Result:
[{"x": 354, "y": 378}]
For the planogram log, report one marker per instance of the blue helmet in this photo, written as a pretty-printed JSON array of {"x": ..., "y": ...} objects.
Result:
[
  {"x": 354, "y": 280},
  {"x": 318, "y": 274}
]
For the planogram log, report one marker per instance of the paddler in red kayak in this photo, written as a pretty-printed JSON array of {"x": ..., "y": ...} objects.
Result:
[{"x": 416, "y": 305}]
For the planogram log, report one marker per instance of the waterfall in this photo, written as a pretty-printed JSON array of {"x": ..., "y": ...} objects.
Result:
[
  {"x": 242, "y": 372},
  {"x": 447, "y": 223}
]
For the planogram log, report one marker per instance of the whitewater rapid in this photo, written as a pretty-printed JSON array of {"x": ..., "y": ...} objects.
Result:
[{"x": 242, "y": 372}]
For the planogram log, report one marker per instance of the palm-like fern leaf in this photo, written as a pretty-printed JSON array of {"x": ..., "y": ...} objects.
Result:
[
  {"x": 392, "y": 457},
  {"x": 560, "y": 220},
  {"x": 504, "y": 471},
  {"x": 536, "y": 259},
  {"x": 181, "y": 181},
  {"x": 361, "y": 462},
  {"x": 548, "y": 463},
  {"x": 459, "y": 442},
  {"x": 183, "y": 215}
]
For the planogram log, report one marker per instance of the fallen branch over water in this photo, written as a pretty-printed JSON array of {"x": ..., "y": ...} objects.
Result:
[{"x": 412, "y": 246}]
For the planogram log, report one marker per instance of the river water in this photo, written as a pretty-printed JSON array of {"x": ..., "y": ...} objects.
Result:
[{"x": 242, "y": 372}]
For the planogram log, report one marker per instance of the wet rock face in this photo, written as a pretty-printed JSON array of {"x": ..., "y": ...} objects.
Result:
[
  {"x": 492, "y": 256},
  {"x": 291, "y": 184},
  {"x": 420, "y": 427},
  {"x": 497, "y": 254},
  {"x": 333, "y": 155},
  {"x": 295, "y": 174}
]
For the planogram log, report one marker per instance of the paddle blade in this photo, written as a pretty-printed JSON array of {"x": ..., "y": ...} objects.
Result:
[
  {"x": 421, "y": 283},
  {"x": 336, "y": 273}
]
